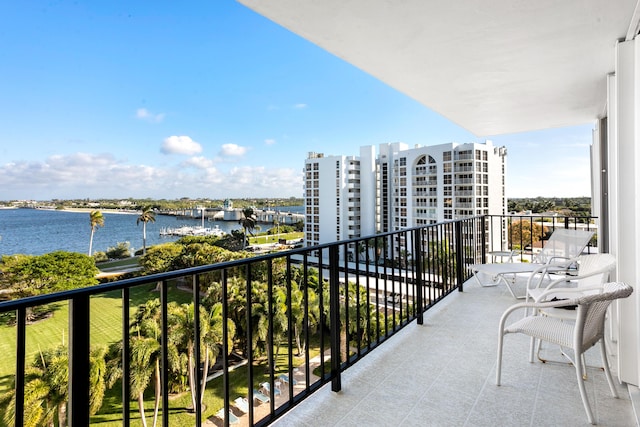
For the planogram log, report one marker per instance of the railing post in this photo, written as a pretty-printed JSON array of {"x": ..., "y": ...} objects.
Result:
[
  {"x": 459, "y": 256},
  {"x": 79, "y": 361},
  {"x": 197, "y": 337},
  {"x": 164, "y": 350},
  {"x": 21, "y": 323},
  {"x": 417, "y": 274},
  {"x": 334, "y": 317},
  {"x": 487, "y": 224},
  {"x": 126, "y": 356}
]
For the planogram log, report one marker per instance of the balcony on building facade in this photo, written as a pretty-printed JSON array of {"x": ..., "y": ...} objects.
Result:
[
  {"x": 464, "y": 205},
  {"x": 426, "y": 204},
  {"x": 462, "y": 156},
  {"x": 459, "y": 181}
]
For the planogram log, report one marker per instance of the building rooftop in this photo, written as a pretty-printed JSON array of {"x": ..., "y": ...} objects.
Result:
[{"x": 443, "y": 373}]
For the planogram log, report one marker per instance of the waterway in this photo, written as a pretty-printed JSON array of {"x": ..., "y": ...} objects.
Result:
[{"x": 36, "y": 232}]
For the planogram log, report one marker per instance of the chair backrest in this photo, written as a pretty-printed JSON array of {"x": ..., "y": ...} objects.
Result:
[
  {"x": 564, "y": 242},
  {"x": 589, "y": 326},
  {"x": 596, "y": 268}
]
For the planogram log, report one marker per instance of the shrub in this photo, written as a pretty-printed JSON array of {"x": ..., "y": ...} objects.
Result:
[
  {"x": 100, "y": 257},
  {"x": 120, "y": 251}
]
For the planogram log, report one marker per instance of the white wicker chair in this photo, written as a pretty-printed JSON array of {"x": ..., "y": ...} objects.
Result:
[
  {"x": 593, "y": 272},
  {"x": 587, "y": 330}
]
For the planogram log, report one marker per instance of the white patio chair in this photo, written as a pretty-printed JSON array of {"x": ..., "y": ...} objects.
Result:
[
  {"x": 242, "y": 404},
  {"x": 232, "y": 418},
  {"x": 587, "y": 330},
  {"x": 558, "y": 254},
  {"x": 266, "y": 389},
  {"x": 260, "y": 396},
  {"x": 593, "y": 272}
]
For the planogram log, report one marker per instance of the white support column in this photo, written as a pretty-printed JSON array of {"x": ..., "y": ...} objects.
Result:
[
  {"x": 624, "y": 125},
  {"x": 612, "y": 189}
]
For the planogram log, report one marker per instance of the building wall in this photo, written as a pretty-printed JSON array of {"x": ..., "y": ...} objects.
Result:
[
  {"x": 624, "y": 204},
  {"x": 401, "y": 187}
]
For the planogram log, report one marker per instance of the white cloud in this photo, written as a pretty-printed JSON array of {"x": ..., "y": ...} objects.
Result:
[
  {"x": 82, "y": 175},
  {"x": 78, "y": 175},
  {"x": 144, "y": 114},
  {"x": 229, "y": 150},
  {"x": 180, "y": 145},
  {"x": 265, "y": 180},
  {"x": 300, "y": 106},
  {"x": 199, "y": 162},
  {"x": 269, "y": 141}
]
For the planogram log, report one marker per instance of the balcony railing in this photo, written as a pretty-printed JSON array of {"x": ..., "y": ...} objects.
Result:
[
  {"x": 285, "y": 322},
  {"x": 312, "y": 313},
  {"x": 527, "y": 234}
]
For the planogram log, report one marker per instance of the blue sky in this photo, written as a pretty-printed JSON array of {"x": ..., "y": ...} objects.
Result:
[{"x": 154, "y": 99}]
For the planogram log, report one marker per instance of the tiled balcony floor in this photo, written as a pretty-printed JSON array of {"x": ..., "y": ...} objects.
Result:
[{"x": 442, "y": 373}]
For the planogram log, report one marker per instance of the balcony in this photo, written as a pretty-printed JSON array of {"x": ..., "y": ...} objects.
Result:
[
  {"x": 532, "y": 94},
  {"x": 442, "y": 373},
  {"x": 394, "y": 278}
]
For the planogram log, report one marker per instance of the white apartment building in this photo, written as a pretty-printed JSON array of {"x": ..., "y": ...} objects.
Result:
[{"x": 400, "y": 187}]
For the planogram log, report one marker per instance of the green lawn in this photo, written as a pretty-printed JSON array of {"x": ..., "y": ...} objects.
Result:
[
  {"x": 125, "y": 262},
  {"x": 106, "y": 326},
  {"x": 273, "y": 238}
]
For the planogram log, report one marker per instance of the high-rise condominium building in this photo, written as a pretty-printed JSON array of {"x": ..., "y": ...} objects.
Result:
[{"x": 400, "y": 187}]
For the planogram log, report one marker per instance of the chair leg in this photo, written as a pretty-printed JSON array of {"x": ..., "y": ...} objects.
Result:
[
  {"x": 538, "y": 349},
  {"x": 499, "y": 364},
  {"x": 607, "y": 372},
  {"x": 532, "y": 349},
  {"x": 583, "y": 391}
]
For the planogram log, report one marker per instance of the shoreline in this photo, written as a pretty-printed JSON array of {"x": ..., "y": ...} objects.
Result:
[{"x": 88, "y": 210}]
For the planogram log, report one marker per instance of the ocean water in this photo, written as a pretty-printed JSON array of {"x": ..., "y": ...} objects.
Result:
[{"x": 36, "y": 232}]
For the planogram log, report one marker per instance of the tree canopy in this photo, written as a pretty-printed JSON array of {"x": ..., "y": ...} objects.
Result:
[{"x": 28, "y": 275}]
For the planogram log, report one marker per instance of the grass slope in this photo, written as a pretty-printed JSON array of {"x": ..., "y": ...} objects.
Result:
[{"x": 106, "y": 326}]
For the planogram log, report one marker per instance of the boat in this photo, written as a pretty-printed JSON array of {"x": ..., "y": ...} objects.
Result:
[{"x": 192, "y": 231}]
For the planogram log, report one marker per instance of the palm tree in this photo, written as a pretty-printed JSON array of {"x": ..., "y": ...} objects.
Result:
[
  {"x": 145, "y": 354},
  {"x": 212, "y": 324},
  {"x": 47, "y": 388},
  {"x": 146, "y": 216},
  {"x": 181, "y": 326},
  {"x": 299, "y": 316},
  {"x": 96, "y": 220},
  {"x": 248, "y": 223},
  {"x": 147, "y": 324}
]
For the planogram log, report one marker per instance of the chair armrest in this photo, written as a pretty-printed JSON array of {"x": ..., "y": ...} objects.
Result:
[
  {"x": 553, "y": 259},
  {"x": 578, "y": 292},
  {"x": 535, "y": 305},
  {"x": 602, "y": 270}
]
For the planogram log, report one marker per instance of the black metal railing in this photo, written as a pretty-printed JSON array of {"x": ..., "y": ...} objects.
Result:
[{"x": 274, "y": 328}]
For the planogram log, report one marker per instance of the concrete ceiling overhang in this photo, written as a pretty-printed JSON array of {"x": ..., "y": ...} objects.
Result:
[{"x": 493, "y": 66}]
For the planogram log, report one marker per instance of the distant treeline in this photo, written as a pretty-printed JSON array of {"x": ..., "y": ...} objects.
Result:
[
  {"x": 164, "y": 204},
  {"x": 567, "y": 206}
]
